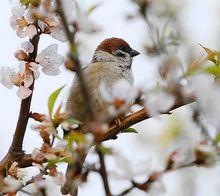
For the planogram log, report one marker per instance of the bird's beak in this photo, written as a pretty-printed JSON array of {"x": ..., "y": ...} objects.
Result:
[{"x": 134, "y": 53}]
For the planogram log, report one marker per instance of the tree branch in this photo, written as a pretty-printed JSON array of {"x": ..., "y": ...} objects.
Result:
[
  {"x": 18, "y": 137},
  {"x": 139, "y": 116},
  {"x": 15, "y": 152},
  {"x": 103, "y": 172},
  {"x": 114, "y": 130}
]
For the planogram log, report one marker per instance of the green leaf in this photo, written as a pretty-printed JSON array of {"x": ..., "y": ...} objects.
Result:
[
  {"x": 213, "y": 70},
  {"x": 92, "y": 8},
  {"x": 25, "y": 2},
  {"x": 34, "y": 3},
  {"x": 208, "y": 51},
  {"x": 52, "y": 163},
  {"x": 77, "y": 137},
  {"x": 217, "y": 139},
  {"x": 73, "y": 121},
  {"x": 105, "y": 150},
  {"x": 129, "y": 130},
  {"x": 212, "y": 55},
  {"x": 52, "y": 99}
]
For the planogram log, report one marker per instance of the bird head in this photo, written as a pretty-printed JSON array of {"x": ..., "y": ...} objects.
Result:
[{"x": 115, "y": 50}]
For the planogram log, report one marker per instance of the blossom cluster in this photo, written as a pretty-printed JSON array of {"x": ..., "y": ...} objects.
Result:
[
  {"x": 28, "y": 71},
  {"x": 31, "y": 20}
]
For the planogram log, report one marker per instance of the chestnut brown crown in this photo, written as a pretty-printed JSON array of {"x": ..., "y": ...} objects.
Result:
[{"x": 113, "y": 44}]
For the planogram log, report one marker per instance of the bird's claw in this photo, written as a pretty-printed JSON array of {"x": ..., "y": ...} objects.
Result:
[{"x": 118, "y": 122}]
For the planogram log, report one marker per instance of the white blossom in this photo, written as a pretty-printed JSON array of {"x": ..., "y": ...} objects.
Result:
[
  {"x": 41, "y": 184},
  {"x": 24, "y": 92},
  {"x": 69, "y": 10},
  {"x": 27, "y": 46},
  {"x": 42, "y": 25},
  {"x": 59, "y": 179},
  {"x": 27, "y": 76},
  {"x": 208, "y": 98},
  {"x": 49, "y": 184},
  {"x": 85, "y": 24},
  {"x": 172, "y": 69},
  {"x": 58, "y": 33},
  {"x": 61, "y": 145},
  {"x": 127, "y": 171},
  {"x": 75, "y": 15},
  {"x": 50, "y": 60},
  {"x": 14, "y": 170},
  {"x": 55, "y": 28},
  {"x": 10, "y": 77},
  {"x": 19, "y": 23},
  {"x": 179, "y": 137},
  {"x": 5, "y": 77},
  {"x": 158, "y": 101},
  {"x": 18, "y": 11},
  {"x": 34, "y": 68},
  {"x": 29, "y": 16},
  {"x": 31, "y": 31},
  {"x": 37, "y": 154},
  {"x": 12, "y": 184},
  {"x": 50, "y": 156},
  {"x": 122, "y": 91},
  {"x": 157, "y": 188}
]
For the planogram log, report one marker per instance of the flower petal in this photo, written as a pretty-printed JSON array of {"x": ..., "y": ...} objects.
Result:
[
  {"x": 51, "y": 21},
  {"x": 51, "y": 71},
  {"x": 34, "y": 67},
  {"x": 159, "y": 101},
  {"x": 24, "y": 92},
  {"x": 50, "y": 60},
  {"x": 49, "y": 51},
  {"x": 58, "y": 33},
  {"x": 31, "y": 31},
  {"x": 5, "y": 77},
  {"x": 42, "y": 25},
  {"x": 30, "y": 16},
  {"x": 13, "y": 22},
  {"x": 18, "y": 11},
  {"x": 27, "y": 46},
  {"x": 28, "y": 80},
  {"x": 21, "y": 33}
]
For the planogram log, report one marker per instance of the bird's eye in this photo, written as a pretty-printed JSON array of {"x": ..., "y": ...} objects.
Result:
[{"x": 120, "y": 54}]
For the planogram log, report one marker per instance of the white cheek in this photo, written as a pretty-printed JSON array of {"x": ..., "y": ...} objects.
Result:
[{"x": 127, "y": 60}]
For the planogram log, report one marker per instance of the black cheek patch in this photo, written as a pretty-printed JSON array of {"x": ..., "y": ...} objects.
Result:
[{"x": 120, "y": 54}]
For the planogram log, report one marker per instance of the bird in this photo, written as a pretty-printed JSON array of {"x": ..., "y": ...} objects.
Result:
[{"x": 111, "y": 61}]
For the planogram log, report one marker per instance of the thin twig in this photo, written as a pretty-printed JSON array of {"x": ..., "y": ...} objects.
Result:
[
  {"x": 74, "y": 169},
  {"x": 78, "y": 70},
  {"x": 145, "y": 186},
  {"x": 103, "y": 172}
]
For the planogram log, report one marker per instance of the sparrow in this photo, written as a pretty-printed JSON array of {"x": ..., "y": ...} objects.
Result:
[{"x": 112, "y": 61}]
